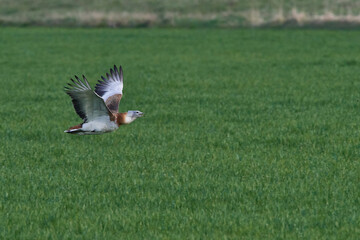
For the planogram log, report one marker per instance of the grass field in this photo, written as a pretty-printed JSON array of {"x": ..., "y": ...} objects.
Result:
[
  {"x": 182, "y": 13},
  {"x": 248, "y": 134}
]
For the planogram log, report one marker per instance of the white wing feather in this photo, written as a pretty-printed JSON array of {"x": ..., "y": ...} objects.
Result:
[{"x": 111, "y": 85}]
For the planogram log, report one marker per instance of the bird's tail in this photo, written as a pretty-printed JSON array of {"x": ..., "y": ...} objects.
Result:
[{"x": 74, "y": 131}]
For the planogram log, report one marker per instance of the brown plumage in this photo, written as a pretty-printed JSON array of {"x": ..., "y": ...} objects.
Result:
[{"x": 121, "y": 118}]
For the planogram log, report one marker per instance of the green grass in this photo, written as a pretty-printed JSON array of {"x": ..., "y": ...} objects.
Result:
[{"x": 248, "y": 134}]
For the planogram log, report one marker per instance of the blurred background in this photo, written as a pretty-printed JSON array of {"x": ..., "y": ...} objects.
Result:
[{"x": 184, "y": 13}]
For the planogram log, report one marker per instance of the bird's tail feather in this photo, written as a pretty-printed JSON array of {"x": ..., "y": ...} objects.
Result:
[{"x": 73, "y": 131}]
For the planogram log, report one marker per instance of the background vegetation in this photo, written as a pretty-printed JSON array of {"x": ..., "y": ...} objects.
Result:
[
  {"x": 248, "y": 134},
  {"x": 184, "y": 13}
]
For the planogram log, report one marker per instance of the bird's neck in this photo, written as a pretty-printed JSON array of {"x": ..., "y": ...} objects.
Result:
[{"x": 123, "y": 118}]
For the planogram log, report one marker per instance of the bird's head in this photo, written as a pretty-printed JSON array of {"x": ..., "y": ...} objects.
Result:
[{"x": 134, "y": 114}]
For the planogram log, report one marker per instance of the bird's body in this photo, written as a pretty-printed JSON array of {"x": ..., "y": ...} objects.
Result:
[{"x": 99, "y": 108}]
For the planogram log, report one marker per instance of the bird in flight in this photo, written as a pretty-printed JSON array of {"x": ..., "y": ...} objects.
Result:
[{"x": 99, "y": 108}]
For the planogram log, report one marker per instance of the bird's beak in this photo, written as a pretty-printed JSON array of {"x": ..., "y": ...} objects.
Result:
[{"x": 141, "y": 114}]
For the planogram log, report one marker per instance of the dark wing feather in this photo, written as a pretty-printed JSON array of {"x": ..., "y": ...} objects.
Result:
[{"x": 88, "y": 105}]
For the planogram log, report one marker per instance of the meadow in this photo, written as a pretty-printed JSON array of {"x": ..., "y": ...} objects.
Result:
[
  {"x": 247, "y": 134},
  {"x": 183, "y": 13}
]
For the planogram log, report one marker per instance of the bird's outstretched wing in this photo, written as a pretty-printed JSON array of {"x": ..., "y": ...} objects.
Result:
[
  {"x": 110, "y": 88},
  {"x": 88, "y": 105}
]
